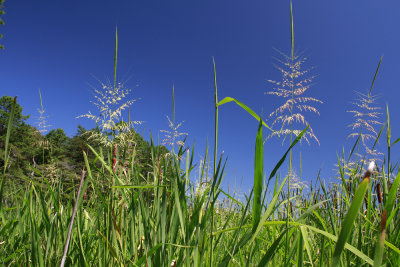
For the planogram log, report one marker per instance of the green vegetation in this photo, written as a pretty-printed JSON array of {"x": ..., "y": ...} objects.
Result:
[
  {"x": 107, "y": 197},
  {"x": 1, "y": 21},
  {"x": 128, "y": 216}
]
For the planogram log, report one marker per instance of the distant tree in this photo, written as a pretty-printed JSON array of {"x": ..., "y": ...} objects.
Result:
[
  {"x": 58, "y": 143},
  {"x": 1, "y": 21},
  {"x": 24, "y": 138},
  {"x": 25, "y": 146},
  {"x": 74, "y": 148},
  {"x": 6, "y": 103}
]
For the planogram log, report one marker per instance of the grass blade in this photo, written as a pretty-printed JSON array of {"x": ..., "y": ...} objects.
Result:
[
  {"x": 351, "y": 215},
  {"x": 272, "y": 250},
  {"x": 287, "y": 151},
  {"x": 246, "y": 108},
  {"x": 258, "y": 177},
  {"x": 376, "y": 73}
]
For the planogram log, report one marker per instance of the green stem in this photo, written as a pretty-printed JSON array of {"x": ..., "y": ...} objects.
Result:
[{"x": 215, "y": 156}]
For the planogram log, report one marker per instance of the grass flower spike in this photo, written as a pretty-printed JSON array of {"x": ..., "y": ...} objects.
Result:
[{"x": 292, "y": 88}]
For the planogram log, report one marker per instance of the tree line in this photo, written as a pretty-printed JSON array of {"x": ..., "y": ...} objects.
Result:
[{"x": 54, "y": 155}]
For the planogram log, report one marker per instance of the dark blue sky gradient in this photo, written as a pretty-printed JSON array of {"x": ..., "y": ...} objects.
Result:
[{"x": 59, "y": 46}]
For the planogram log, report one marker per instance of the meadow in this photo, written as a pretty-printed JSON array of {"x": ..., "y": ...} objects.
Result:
[{"x": 173, "y": 211}]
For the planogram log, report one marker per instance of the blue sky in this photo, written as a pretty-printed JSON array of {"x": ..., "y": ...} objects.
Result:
[{"x": 59, "y": 47}]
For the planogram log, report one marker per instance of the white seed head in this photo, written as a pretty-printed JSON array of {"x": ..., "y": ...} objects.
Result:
[{"x": 371, "y": 166}]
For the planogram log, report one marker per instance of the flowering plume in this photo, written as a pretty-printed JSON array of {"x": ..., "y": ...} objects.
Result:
[
  {"x": 110, "y": 102},
  {"x": 293, "y": 86},
  {"x": 173, "y": 136},
  {"x": 42, "y": 119},
  {"x": 366, "y": 119}
]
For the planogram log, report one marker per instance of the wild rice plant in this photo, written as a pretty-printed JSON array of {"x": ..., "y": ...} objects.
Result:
[
  {"x": 111, "y": 100},
  {"x": 42, "y": 120},
  {"x": 296, "y": 81},
  {"x": 366, "y": 116},
  {"x": 366, "y": 119},
  {"x": 173, "y": 137}
]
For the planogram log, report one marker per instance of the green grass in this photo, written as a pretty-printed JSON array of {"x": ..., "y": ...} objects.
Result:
[
  {"x": 131, "y": 220},
  {"x": 154, "y": 223}
]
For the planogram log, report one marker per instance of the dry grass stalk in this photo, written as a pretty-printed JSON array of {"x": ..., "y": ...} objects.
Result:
[
  {"x": 64, "y": 257},
  {"x": 379, "y": 193}
]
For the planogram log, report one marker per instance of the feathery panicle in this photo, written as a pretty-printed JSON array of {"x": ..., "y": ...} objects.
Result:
[
  {"x": 295, "y": 181},
  {"x": 172, "y": 136},
  {"x": 42, "y": 119},
  {"x": 366, "y": 117},
  {"x": 110, "y": 102},
  {"x": 294, "y": 84}
]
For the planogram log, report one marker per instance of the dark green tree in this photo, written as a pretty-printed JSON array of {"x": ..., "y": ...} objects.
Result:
[
  {"x": 26, "y": 142},
  {"x": 58, "y": 143},
  {"x": 6, "y": 103},
  {"x": 76, "y": 144},
  {"x": 1, "y": 21},
  {"x": 25, "y": 147},
  {"x": 23, "y": 137}
]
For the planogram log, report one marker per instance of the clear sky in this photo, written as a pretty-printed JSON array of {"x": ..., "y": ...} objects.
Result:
[{"x": 59, "y": 46}]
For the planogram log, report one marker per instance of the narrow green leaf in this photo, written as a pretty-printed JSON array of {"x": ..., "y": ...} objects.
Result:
[
  {"x": 272, "y": 250},
  {"x": 392, "y": 195},
  {"x": 347, "y": 246},
  {"x": 258, "y": 177},
  {"x": 349, "y": 220},
  {"x": 354, "y": 146},
  {"x": 393, "y": 247},
  {"x": 376, "y": 73},
  {"x": 240, "y": 104},
  {"x": 137, "y": 186},
  {"x": 268, "y": 211},
  {"x": 396, "y": 141},
  {"x": 142, "y": 260},
  {"x": 287, "y": 151},
  {"x": 231, "y": 198},
  {"x": 300, "y": 250},
  {"x": 306, "y": 241}
]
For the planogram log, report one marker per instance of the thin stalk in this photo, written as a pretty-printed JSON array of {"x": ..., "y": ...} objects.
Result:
[
  {"x": 64, "y": 257},
  {"x": 291, "y": 130},
  {"x": 216, "y": 118},
  {"x": 215, "y": 158}
]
